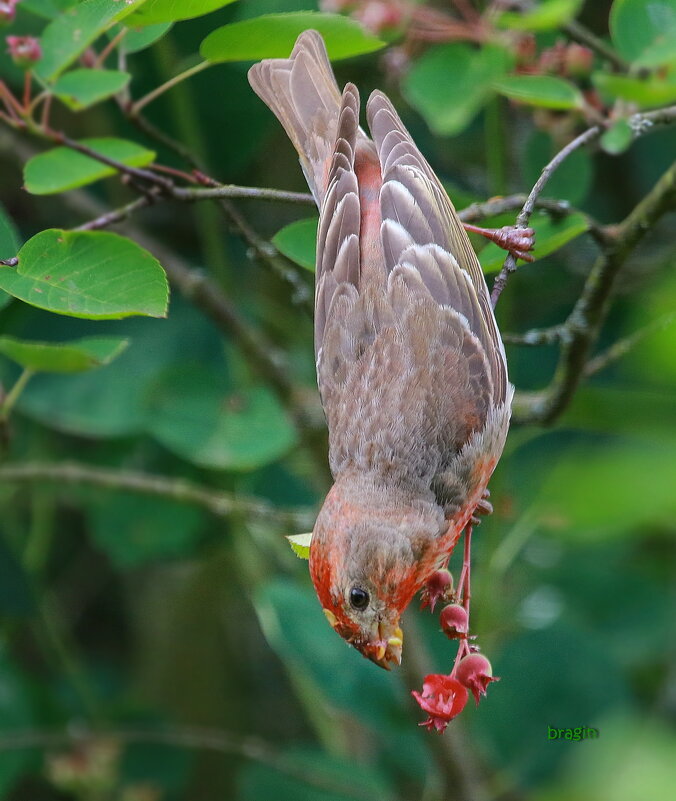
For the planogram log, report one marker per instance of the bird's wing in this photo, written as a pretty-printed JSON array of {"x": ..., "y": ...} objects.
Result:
[
  {"x": 421, "y": 233},
  {"x": 338, "y": 258}
]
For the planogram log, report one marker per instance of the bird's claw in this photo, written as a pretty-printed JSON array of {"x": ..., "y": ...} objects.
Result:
[
  {"x": 517, "y": 241},
  {"x": 484, "y": 507}
]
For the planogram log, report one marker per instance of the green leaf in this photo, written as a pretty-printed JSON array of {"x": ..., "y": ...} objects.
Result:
[
  {"x": 617, "y": 138},
  {"x": 61, "y": 168},
  {"x": 92, "y": 274},
  {"x": 545, "y": 91},
  {"x": 138, "y": 38},
  {"x": 451, "y": 83},
  {"x": 273, "y": 36},
  {"x": 652, "y": 91},
  {"x": 638, "y": 26},
  {"x": 298, "y": 242},
  {"x": 550, "y": 235},
  {"x": 83, "y": 88},
  {"x": 63, "y": 357},
  {"x": 300, "y": 544},
  {"x": 200, "y": 419},
  {"x": 545, "y": 16},
  {"x": 155, "y": 11},
  {"x": 662, "y": 52},
  {"x": 71, "y": 33},
  {"x": 48, "y": 9}
]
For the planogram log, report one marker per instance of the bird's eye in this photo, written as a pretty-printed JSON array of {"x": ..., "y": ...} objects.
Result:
[{"x": 359, "y": 598}]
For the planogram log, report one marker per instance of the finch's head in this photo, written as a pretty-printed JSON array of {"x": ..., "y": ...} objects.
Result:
[{"x": 367, "y": 561}]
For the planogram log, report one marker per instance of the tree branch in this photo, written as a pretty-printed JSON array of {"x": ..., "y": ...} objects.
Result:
[
  {"x": 581, "y": 329},
  {"x": 220, "y": 504},
  {"x": 528, "y": 207}
]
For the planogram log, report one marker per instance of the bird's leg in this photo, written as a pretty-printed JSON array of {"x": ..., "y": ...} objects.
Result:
[{"x": 515, "y": 240}]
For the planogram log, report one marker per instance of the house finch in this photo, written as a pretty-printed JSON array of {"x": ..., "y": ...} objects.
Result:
[{"x": 410, "y": 365}]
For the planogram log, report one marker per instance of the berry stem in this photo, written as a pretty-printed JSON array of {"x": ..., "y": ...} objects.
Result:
[{"x": 464, "y": 594}]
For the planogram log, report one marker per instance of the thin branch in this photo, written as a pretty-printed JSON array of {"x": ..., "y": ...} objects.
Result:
[
  {"x": 528, "y": 207},
  {"x": 584, "y": 36},
  {"x": 133, "y": 172},
  {"x": 160, "y": 90},
  {"x": 193, "y": 738},
  {"x": 582, "y": 327},
  {"x": 536, "y": 336},
  {"x": 555, "y": 208},
  {"x": 117, "y": 215},
  {"x": 220, "y": 504},
  {"x": 232, "y": 191}
]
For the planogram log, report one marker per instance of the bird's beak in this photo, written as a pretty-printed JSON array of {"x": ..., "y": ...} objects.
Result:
[{"x": 385, "y": 645}]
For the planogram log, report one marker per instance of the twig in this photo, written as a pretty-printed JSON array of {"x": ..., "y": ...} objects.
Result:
[
  {"x": 117, "y": 215},
  {"x": 160, "y": 90},
  {"x": 134, "y": 172},
  {"x": 581, "y": 329},
  {"x": 535, "y": 337},
  {"x": 556, "y": 208},
  {"x": 528, "y": 207},
  {"x": 583, "y": 36},
  {"x": 233, "y": 191},
  {"x": 194, "y": 738},
  {"x": 108, "y": 49},
  {"x": 220, "y": 504}
]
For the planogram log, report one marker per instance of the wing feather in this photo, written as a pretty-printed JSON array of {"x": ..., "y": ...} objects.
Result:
[
  {"x": 338, "y": 259},
  {"x": 420, "y": 227}
]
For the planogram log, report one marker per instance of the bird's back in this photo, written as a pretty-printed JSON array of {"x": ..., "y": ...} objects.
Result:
[{"x": 410, "y": 364}]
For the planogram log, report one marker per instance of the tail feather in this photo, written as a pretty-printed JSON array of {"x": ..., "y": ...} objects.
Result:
[{"x": 303, "y": 94}]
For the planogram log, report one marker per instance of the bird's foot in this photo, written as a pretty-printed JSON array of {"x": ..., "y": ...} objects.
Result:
[
  {"x": 515, "y": 240},
  {"x": 483, "y": 508}
]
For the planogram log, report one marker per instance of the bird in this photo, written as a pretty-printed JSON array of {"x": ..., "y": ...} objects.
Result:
[{"x": 411, "y": 368}]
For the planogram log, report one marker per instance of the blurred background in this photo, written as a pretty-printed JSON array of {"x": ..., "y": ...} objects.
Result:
[{"x": 157, "y": 646}]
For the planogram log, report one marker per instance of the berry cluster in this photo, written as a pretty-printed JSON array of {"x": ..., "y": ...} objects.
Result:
[{"x": 443, "y": 697}]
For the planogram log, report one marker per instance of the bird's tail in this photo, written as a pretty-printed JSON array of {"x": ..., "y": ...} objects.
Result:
[{"x": 303, "y": 94}]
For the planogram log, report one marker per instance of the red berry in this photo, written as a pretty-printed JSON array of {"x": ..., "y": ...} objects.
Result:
[
  {"x": 439, "y": 587},
  {"x": 475, "y": 672},
  {"x": 7, "y": 11},
  {"x": 454, "y": 621},
  {"x": 443, "y": 697}
]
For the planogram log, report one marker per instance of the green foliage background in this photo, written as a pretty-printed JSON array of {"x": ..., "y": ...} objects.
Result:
[{"x": 130, "y": 613}]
